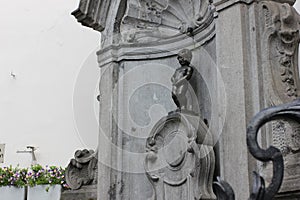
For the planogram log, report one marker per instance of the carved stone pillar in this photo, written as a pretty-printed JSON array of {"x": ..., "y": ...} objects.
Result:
[
  {"x": 263, "y": 57},
  {"x": 280, "y": 42},
  {"x": 140, "y": 42},
  {"x": 245, "y": 59}
]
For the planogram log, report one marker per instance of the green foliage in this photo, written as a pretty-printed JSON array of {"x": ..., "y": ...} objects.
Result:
[
  {"x": 35, "y": 175},
  {"x": 10, "y": 176}
]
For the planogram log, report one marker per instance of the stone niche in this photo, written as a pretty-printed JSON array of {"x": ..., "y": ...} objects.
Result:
[
  {"x": 141, "y": 92},
  {"x": 140, "y": 40},
  {"x": 245, "y": 58}
]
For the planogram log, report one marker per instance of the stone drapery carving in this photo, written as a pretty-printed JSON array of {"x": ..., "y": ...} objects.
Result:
[
  {"x": 158, "y": 19},
  {"x": 280, "y": 31},
  {"x": 180, "y": 79},
  {"x": 82, "y": 169},
  {"x": 180, "y": 162}
]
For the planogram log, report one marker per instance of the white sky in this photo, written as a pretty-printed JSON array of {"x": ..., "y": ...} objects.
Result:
[
  {"x": 45, "y": 47},
  {"x": 297, "y": 5}
]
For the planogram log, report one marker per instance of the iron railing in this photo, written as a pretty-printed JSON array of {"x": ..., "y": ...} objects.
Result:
[{"x": 260, "y": 192}]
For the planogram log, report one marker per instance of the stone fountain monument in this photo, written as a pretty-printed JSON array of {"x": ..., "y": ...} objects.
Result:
[{"x": 167, "y": 139}]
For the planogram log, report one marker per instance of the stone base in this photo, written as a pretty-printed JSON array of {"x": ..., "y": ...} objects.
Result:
[{"x": 85, "y": 193}]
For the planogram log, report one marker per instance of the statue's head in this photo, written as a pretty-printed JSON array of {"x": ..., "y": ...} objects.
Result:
[{"x": 184, "y": 57}]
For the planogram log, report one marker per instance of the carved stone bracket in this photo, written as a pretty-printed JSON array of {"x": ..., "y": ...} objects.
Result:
[
  {"x": 82, "y": 169},
  {"x": 180, "y": 158}
]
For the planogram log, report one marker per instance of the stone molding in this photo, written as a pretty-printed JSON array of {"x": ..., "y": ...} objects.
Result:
[
  {"x": 223, "y": 4},
  {"x": 152, "y": 50}
]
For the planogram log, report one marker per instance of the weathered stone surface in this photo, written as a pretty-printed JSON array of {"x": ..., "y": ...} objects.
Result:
[
  {"x": 279, "y": 28},
  {"x": 145, "y": 99},
  {"x": 147, "y": 20},
  {"x": 254, "y": 46},
  {"x": 84, "y": 193},
  {"x": 93, "y": 13}
]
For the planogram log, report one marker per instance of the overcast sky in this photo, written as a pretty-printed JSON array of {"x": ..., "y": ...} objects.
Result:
[{"x": 44, "y": 51}]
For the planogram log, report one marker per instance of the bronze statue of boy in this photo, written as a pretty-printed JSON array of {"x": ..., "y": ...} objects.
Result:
[{"x": 180, "y": 79}]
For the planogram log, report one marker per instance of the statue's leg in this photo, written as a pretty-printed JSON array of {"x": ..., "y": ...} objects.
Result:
[
  {"x": 175, "y": 99},
  {"x": 182, "y": 95}
]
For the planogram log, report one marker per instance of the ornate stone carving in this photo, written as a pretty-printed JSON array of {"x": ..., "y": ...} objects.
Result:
[
  {"x": 146, "y": 20},
  {"x": 82, "y": 169},
  {"x": 93, "y": 13},
  {"x": 180, "y": 79},
  {"x": 180, "y": 158},
  {"x": 281, "y": 34},
  {"x": 286, "y": 136},
  {"x": 280, "y": 31},
  {"x": 157, "y": 19}
]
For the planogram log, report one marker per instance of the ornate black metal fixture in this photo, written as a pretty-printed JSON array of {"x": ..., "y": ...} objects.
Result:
[{"x": 260, "y": 191}]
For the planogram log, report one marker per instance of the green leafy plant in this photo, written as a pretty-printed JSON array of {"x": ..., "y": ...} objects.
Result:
[
  {"x": 10, "y": 176},
  {"x": 35, "y": 175}
]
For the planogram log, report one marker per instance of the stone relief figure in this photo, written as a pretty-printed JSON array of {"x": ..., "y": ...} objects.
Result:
[{"x": 180, "y": 79}]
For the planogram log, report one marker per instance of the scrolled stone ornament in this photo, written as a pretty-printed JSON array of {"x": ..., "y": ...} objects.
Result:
[
  {"x": 81, "y": 169},
  {"x": 179, "y": 163}
]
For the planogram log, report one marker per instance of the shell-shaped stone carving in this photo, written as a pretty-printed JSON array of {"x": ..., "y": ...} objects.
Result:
[{"x": 159, "y": 19}]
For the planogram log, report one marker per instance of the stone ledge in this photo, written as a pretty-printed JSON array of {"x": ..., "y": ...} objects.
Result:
[{"x": 85, "y": 193}]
